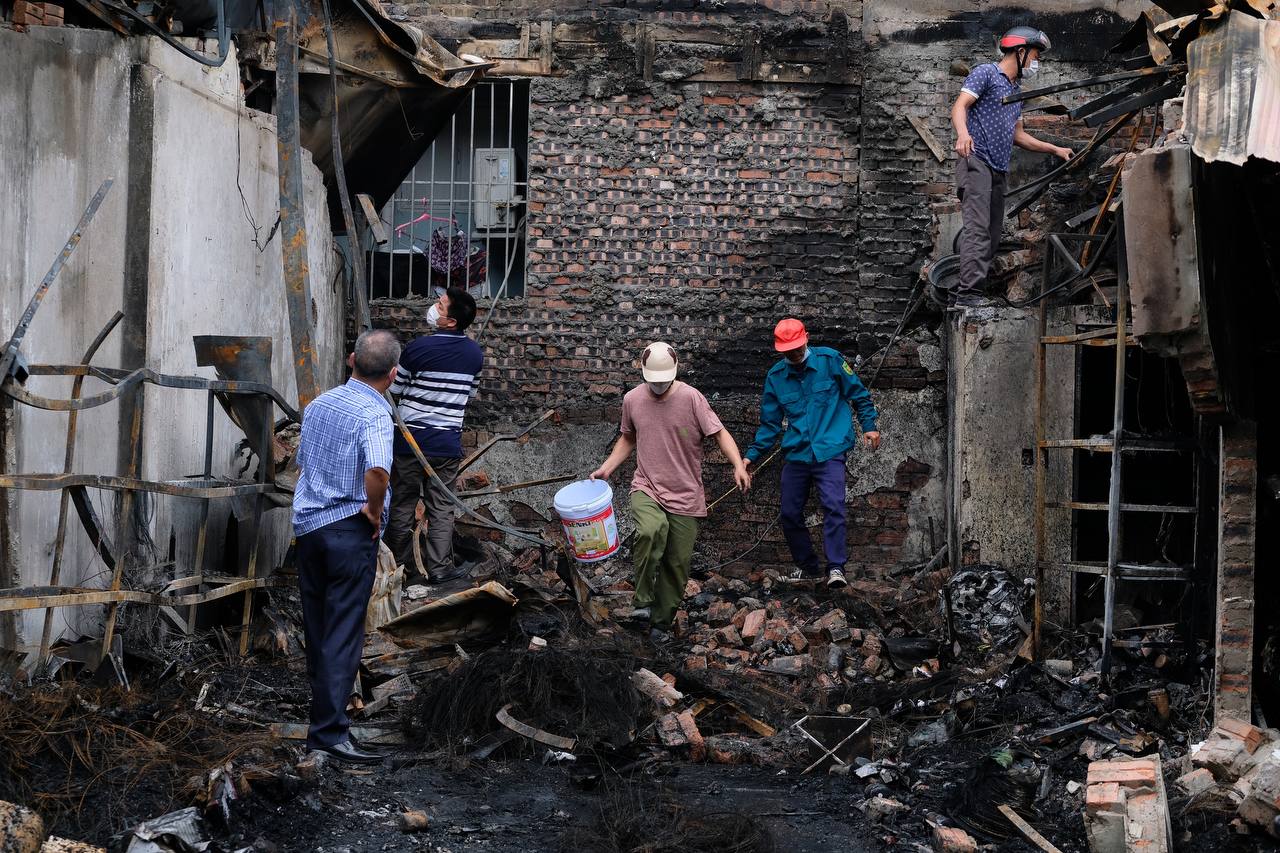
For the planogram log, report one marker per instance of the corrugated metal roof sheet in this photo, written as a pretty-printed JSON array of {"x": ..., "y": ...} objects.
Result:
[{"x": 1233, "y": 91}]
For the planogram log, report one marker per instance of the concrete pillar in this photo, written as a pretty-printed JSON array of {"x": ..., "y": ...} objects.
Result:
[
  {"x": 991, "y": 439},
  {"x": 1237, "y": 520}
]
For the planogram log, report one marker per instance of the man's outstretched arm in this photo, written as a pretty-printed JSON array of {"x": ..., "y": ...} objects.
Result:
[{"x": 1022, "y": 139}]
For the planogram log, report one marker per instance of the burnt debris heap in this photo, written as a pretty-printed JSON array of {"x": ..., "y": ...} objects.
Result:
[{"x": 1049, "y": 638}]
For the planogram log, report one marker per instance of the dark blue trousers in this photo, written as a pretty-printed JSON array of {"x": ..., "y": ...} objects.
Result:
[
  {"x": 797, "y": 478},
  {"x": 336, "y": 568}
]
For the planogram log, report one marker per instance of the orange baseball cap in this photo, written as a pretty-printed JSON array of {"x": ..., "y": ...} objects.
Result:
[{"x": 789, "y": 334}]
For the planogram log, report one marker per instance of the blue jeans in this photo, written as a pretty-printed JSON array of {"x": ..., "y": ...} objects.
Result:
[
  {"x": 336, "y": 568},
  {"x": 797, "y": 478}
]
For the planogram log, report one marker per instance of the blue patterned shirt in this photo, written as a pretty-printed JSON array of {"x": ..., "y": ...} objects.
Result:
[
  {"x": 345, "y": 431},
  {"x": 991, "y": 123}
]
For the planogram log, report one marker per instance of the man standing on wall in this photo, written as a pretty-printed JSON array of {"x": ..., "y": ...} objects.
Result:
[
  {"x": 664, "y": 421},
  {"x": 986, "y": 131},
  {"x": 339, "y": 508},
  {"x": 436, "y": 379},
  {"x": 812, "y": 388}
]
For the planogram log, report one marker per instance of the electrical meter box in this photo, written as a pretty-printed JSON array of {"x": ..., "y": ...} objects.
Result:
[{"x": 493, "y": 182}]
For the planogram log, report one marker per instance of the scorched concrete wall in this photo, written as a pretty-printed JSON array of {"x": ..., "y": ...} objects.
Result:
[{"x": 172, "y": 246}]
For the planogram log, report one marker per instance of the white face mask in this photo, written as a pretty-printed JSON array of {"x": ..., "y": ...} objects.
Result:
[
  {"x": 659, "y": 388},
  {"x": 1032, "y": 69},
  {"x": 433, "y": 315}
]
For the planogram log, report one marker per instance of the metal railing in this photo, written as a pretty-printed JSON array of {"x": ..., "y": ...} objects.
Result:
[{"x": 458, "y": 219}]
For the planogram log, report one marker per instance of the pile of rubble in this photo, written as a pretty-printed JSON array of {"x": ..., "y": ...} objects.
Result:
[{"x": 915, "y": 697}]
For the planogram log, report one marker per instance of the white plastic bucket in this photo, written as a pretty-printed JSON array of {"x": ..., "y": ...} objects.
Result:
[{"x": 586, "y": 513}]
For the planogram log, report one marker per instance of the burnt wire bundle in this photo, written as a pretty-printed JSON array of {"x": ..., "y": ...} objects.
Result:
[
  {"x": 93, "y": 762},
  {"x": 584, "y": 694}
]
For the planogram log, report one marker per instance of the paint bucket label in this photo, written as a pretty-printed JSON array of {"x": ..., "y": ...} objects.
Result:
[{"x": 592, "y": 538}]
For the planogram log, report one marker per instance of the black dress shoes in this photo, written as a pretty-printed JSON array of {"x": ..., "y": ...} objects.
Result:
[
  {"x": 451, "y": 575},
  {"x": 349, "y": 752}
]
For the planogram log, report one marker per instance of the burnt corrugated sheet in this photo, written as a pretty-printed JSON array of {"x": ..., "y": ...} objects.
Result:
[{"x": 1233, "y": 91}]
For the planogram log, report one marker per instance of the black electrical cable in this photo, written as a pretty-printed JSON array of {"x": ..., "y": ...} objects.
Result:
[
  {"x": 359, "y": 289},
  {"x": 224, "y": 33},
  {"x": 745, "y": 553}
]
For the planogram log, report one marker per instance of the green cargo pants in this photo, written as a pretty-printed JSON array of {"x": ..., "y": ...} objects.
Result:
[{"x": 661, "y": 554}]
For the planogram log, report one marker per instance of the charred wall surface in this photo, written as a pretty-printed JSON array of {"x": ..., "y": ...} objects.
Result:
[{"x": 696, "y": 175}]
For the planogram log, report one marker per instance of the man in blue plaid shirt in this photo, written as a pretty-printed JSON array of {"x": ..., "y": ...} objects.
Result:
[{"x": 339, "y": 509}]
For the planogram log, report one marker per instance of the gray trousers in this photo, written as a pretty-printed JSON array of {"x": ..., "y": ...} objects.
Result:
[
  {"x": 408, "y": 482},
  {"x": 981, "y": 192}
]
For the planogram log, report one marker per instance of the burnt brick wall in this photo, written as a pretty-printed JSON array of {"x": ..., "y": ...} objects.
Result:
[
  {"x": 667, "y": 207},
  {"x": 701, "y": 212}
]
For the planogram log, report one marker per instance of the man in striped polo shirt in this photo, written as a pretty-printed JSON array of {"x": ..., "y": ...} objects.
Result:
[{"x": 437, "y": 377}]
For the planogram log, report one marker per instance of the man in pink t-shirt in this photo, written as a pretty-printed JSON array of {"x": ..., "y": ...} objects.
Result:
[{"x": 664, "y": 421}]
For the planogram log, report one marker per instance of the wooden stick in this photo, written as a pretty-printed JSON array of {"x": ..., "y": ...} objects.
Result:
[{"x": 1028, "y": 830}]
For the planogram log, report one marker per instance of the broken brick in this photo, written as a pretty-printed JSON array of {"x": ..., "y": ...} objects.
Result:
[
  {"x": 797, "y": 641},
  {"x": 1261, "y": 805},
  {"x": 689, "y": 727},
  {"x": 694, "y": 663},
  {"x": 872, "y": 644},
  {"x": 952, "y": 839},
  {"x": 1251, "y": 736},
  {"x": 832, "y": 627},
  {"x": 1104, "y": 797},
  {"x": 720, "y": 613},
  {"x": 1122, "y": 772},
  {"x": 680, "y": 623},
  {"x": 692, "y": 588},
  {"x": 670, "y": 732},
  {"x": 1197, "y": 781},
  {"x": 872, "y": 664},
  {"x": 1225, "y": 757},
  {"x": 728, "y": 636},
  {"x": 1126, "y": 808},
  {"x": 753, "y": 624}
]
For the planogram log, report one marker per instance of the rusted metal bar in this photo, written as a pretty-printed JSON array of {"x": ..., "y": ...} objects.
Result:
[
  {"x": 124, "y": 523},
  {"x": 10, "y": 353},
  {"x": 515, "y": 487},
  {"x": 1111, "y": 191},
  {"x": 488, "y": 445},
  {"x": 68, "y": 460},
  {"x": 176, "y": 488},
  {"x": 202, "y": 538},
  {"x": 123, "y": 380},
  {"x": 251, "y": 572},
  {"x": 39, "y": 597},
  {"x": 293, "y": 226}
]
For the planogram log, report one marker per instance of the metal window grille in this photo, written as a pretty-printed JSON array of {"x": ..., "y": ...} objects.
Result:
[{"x": 458, "y": 219}]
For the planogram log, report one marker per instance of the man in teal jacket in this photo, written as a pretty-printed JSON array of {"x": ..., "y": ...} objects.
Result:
[{"x": 812, "y": 388}]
